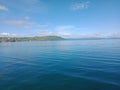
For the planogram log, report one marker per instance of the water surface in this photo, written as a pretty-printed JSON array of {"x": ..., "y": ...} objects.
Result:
[{"x": 60, "y": 65}]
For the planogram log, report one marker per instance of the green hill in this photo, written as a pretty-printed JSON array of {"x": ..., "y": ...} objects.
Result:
[{"x": 18, "y": 39}]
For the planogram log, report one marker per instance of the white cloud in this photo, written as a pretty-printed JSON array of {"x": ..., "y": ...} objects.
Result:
[
  {"x": 115, "y": 34},
  {"x": 65, "y": 27},
  {"x": 65, "y": 31},
  {"x": 27, "y": 6},
  {"x": 56, "y": 33},
  {"x": 3, "y": 8},
  {"x": 62, "y": 30},
  {"x": 18, "y": 23},
  {"x": 23, "y": 23},
  {"x": 69, "y": 28},
  {"x": 64, "y": 34},
  {"x": 27, "y": 17},
  {"x": 45, "y": 33},
  {"x": 5, "y": 34},
  {"x": 96, "y": 35},
  {"x": 15, "y": 22},
  {"x": 67, "y": 34},
  {"x": 93, "y": 35},
  {"x": 79, "y": 6}
]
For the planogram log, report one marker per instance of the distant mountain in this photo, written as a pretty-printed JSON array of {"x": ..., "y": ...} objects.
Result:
[
  {"x": 18, "y": 39},
  {"x": 90, "y": 38}
]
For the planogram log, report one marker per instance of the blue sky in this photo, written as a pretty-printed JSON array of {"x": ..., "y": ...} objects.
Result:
[{"x": 66, "y": 18}]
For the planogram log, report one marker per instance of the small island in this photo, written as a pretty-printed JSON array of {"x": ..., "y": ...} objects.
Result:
[{"x": 36, "y": 38}]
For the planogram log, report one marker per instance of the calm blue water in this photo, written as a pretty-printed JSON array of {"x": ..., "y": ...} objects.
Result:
[{"x": 60, "y": 65}]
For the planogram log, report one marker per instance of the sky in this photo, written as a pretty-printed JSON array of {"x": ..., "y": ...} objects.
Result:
[{"x": 65, "y": 18}]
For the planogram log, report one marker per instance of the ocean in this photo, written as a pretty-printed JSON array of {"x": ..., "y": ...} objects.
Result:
[{"x": 60, "y": 65}]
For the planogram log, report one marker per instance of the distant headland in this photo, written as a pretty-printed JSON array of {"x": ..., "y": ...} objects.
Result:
[{"x": 36, "y": 38}]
